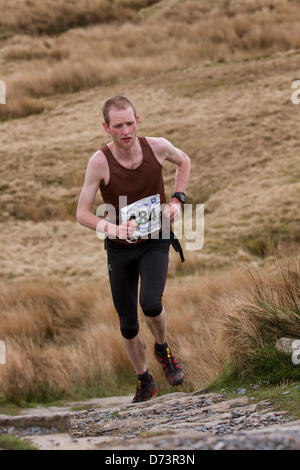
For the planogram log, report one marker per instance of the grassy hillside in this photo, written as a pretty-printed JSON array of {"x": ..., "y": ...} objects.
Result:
[
  {"x": 64, "y": 341},
  {"x": 213, "y": 77},
  {"x": 235, "y": 120},
  {"x": 129, "y": 41},
  {"x": 55, "y": 16}
]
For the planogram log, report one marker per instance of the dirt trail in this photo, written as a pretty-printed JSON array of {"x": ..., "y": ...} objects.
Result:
[{"x": 185, "y": 421}]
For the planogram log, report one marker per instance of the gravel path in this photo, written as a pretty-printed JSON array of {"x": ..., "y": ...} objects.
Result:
[{"x": 185, "y": 421}]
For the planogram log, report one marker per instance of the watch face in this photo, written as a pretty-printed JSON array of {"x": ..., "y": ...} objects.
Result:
[{"x": 180, "y": 196}]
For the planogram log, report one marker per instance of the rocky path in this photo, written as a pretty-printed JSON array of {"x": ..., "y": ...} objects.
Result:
[{"x": 186, "y": 421}]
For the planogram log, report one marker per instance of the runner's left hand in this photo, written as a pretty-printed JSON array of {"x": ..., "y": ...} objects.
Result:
[{"x": 172, "y": 210}]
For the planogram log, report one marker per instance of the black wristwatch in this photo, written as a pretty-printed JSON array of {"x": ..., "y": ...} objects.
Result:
[{"x": 180, "y": 196}]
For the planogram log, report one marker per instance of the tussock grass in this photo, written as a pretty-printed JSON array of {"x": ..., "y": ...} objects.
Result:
[
  {"x": 234, "y": 119},
  {"x": 177, "y": 36},
  {"x": 63, "y": 341},
  {"x": 249, "y": 188},
  {"x": 253, "y": 325},
  {"x": 57, "y": 341},
  {"x": 55, "y": 16}
]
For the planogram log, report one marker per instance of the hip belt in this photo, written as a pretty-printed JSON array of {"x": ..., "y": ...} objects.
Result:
[{"x": 174, "y": 242}]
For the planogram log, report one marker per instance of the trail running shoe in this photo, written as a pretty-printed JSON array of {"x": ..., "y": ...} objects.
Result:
[
  {"x": 172, "y": 370},
  {"x": 145, "y": 391}
]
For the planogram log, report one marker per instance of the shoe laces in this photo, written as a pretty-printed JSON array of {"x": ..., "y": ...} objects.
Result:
[
  {"x": 170, "y": 359},
  {"x": 138, "y": 389}
]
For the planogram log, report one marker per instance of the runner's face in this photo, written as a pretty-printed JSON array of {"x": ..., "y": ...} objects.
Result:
[{"x": 122, "y": 126}]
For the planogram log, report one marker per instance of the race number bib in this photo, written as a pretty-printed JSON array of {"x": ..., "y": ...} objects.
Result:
[{"x": 146, "y": 213}]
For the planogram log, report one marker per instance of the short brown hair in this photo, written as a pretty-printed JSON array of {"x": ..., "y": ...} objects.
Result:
[{"x": 120, "y": 102}]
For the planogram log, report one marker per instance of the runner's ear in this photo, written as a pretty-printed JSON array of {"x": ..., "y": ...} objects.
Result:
[{"x": 106, "y": 128}]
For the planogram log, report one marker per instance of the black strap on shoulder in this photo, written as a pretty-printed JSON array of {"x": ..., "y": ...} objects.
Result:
[{"x": 176, "y": 245}]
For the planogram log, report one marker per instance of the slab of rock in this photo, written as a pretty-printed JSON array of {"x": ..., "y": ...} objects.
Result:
[
  {"x": 172, "y": 421},
  {"x": 60, "y": 421},
  {"x": 271, "y": 438}
]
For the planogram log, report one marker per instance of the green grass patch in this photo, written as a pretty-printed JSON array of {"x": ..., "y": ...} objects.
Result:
[
  {"x": 267, "y": 366},
  {"x": 266, "y": 243},
  {"x": 274, "y": 373},
  {"x": 262, "y": 244},
  {"x": 255, "y": 245},
  {"x": 8, "y": 442},
  {"x": 5, "y": 34},
  {"x": 266, "y": 392},
  {"x": 8, "y": 408},
  {"x": 272, "y": 312}
]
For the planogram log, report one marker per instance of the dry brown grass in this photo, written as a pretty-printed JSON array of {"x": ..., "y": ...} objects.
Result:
[
  {"x": 271, "y": 311},
  {"x": 224, "y": 98},
  {"x": 177, "y": 36},
  {"x": 222, "y": 117},
  {"x": 57, "y": 339},
  {"x": 55, "y": 16},
  {"x": 60, "y": 338},
  {"x": 235, "y": 121}
]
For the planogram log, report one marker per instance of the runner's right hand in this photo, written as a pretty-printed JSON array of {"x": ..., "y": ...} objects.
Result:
[{"x": 126, "y": 229}]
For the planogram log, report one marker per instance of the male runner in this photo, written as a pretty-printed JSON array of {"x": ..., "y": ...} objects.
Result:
[{"x": 131, "y": 166}]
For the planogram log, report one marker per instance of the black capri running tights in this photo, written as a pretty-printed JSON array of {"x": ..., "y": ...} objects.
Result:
[{"x": 147, "y": 260}]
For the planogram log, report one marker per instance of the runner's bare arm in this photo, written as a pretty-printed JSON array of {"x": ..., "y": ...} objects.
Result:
[
  {"x": 167, "y": 151},
  {"x": 93, "y": 175},
  {"x": 164, "y": 150}
]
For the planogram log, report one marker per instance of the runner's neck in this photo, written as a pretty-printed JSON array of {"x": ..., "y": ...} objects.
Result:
[{"x": 125, "y": 156}]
